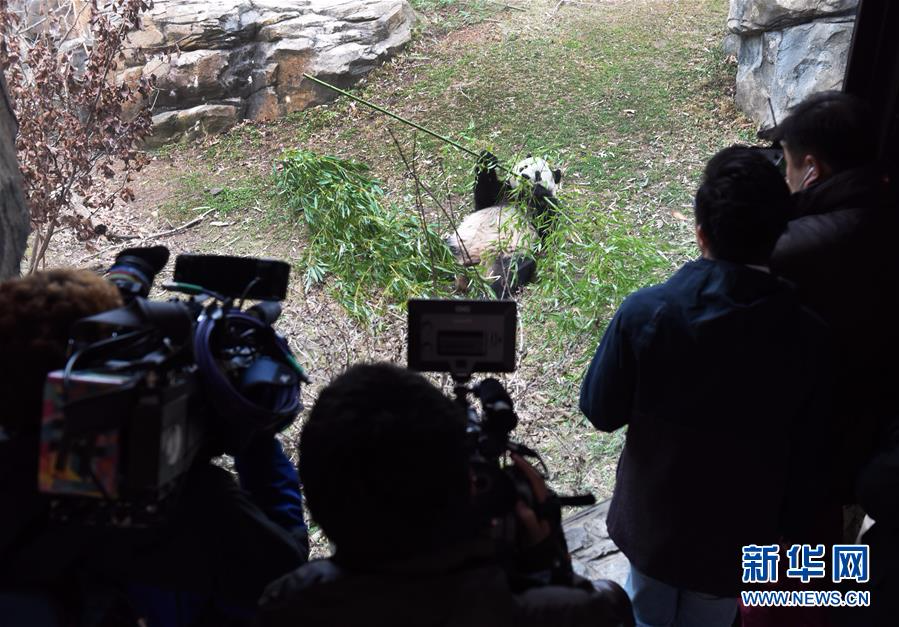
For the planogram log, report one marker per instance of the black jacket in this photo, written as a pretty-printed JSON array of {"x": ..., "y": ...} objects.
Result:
[
  {"x": 458, "y": 587},
  {"x": 841, "y": 253},
  {"x": 218, "y": 544},
  {"x": 719, "y": 375},
  {"x": 878, "y": 494}
]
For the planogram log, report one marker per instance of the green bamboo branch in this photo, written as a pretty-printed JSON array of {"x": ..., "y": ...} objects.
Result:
[{"x": 414, "y": 125}]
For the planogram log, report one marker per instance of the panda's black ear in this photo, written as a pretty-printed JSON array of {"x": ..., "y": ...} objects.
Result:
[
  {"x": 557, "y": 176},
  {"x": 530, "y": 156}
]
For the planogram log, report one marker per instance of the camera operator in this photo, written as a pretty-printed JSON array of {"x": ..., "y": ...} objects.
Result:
[
  {"x": 385, "y": 465},
  {"x": 208, "y": 564}
]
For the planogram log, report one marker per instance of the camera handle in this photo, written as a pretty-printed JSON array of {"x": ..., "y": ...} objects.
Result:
[{"x": 461, "y": 389}]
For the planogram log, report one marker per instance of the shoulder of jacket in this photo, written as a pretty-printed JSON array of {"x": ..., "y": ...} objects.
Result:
[
  {"x": 566, "y": 606},
  {"x": 296, "y": 581},
  {"x": 818, "y": 230},
  {"x": 645, "y": 304}
]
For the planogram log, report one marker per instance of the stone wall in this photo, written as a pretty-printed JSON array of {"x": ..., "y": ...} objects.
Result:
[
  {"x": 786, "y": 50},
  {"x": 245, "y": 59}
]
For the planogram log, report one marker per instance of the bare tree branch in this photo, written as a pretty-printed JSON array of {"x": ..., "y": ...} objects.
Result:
[{"x": 76, "y": 120}]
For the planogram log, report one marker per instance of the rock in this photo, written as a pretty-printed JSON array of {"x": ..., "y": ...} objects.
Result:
[
  {"x": 145, "y": 41},
  {"x": 731, "y": 44},
  {"x": 593, "y": 554},
  {"x": 253, "y": 53},
  {"x": 192, "y": 123},
  {"x": 787, "y": 50},
  {"x": 263, "y": 105},
  {"x": 77, "y": 48},
  {"x": 208, "y": 24},
  {"x": 748, "y": 17},
  {"x": 788, "y": 65},
  {"x": 192, "y": 78}
]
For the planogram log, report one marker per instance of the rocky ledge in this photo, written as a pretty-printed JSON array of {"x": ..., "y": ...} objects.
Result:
[
  {"x": 220, "y": 61},
  {"x": 593, "y": 554},
  {"x": 786, "y": 50}
]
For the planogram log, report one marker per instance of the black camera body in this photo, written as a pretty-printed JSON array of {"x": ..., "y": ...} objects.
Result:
[
  {"x": 152, "y": 386},
  {"x": 461, "y": 337}
]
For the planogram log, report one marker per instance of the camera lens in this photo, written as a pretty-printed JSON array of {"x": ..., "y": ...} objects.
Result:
[{"x": 135, "y": 268}]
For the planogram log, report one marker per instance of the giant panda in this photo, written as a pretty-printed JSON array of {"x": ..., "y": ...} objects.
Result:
[{"x": 510, "y": 217}]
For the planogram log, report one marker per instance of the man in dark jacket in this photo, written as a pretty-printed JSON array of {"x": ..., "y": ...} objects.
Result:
[
  {"x": 385, "y": 465},
  {"x": 840, "y": 251},
  {"x": 716, "y": 373}
]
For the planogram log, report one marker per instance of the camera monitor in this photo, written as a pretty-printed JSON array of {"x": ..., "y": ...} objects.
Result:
[
  {"x": 462, "y": 336},
  {"x": 235, "y": 277}
]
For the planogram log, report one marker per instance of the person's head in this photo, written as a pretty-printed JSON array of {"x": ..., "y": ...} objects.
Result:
[
  {"x": 384, "y": 464},
  {"x": 36, "y": 315},
  {"x": 742, "y": 207},
  {"x": 827, "y": 133}
]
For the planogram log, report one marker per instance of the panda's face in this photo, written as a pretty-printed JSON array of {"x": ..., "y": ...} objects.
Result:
[{"x": 540, "y": 175}]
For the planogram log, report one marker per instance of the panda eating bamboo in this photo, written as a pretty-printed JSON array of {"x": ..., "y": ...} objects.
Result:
[{"x": 509, "y": 220}]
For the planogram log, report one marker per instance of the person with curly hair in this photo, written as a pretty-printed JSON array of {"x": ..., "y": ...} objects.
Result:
[
  {"x": 36, "y": 314},
  {"x": 208, "y": 564}
]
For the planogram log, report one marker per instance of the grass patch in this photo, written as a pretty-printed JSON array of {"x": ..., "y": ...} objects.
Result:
[
  {"x": 630, "y": 107},
  {"x": 446, "y": 15},
  {"x": 584, "y": 277},
  {"x": 235, "y": 144},
  {"x": 629, "y": 98},
  {"x": 195, "y": 190}
]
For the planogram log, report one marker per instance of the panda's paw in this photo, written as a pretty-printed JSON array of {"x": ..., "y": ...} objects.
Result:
[{"x": 487, "y": 161}]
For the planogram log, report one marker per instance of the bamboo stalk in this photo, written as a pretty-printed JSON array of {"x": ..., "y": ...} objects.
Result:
[
  {"x": 372, "y": 105},
  {"x": 507, "y": 6},
  {"x": 414, "y": 125}
]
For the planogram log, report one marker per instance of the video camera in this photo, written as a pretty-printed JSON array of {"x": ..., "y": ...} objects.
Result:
[
  {"x": 151, "y": 386},
  {"x": 461, "y": 337},
  {"x": 774, "y": 151}
]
